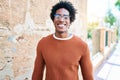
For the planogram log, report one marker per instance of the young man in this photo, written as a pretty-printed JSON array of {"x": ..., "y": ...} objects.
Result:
[{"x": 62, "y": 52}]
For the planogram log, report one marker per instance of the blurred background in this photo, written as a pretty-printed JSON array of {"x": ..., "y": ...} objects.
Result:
[{"x": 24, "y": 22}]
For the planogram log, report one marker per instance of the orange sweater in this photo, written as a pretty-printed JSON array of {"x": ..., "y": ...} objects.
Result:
[{"x": 62, "y": 59}]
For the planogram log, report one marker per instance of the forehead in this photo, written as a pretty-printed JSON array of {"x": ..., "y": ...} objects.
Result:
[{"x": 62, "y": 11}]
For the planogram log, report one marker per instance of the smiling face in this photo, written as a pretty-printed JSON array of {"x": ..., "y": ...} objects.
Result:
[{"x": 61, "y": 21}]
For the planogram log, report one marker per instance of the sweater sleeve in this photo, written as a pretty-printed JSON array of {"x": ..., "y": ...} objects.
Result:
[
  {"x": 38, "y": 65},
  {"x": 86, "y": 65}
]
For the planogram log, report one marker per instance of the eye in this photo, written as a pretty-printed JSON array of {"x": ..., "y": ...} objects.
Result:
[
  {"x": 57, "y": 16},
  {"x": 66, "y": 17}
]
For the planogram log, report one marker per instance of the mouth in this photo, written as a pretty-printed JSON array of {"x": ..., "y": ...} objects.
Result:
[{"x": 61, "y": 25}]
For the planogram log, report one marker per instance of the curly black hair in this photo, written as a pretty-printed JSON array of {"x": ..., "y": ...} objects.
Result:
[{"x": 64, "y": 4}]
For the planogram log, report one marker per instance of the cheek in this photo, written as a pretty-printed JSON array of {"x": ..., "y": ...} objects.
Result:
[
  {"x": 54, "y": 21},
  {"x": 68, "y": 23}
]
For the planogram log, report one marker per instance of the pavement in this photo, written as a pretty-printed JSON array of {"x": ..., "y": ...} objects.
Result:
[{"x": 110, "y": 68}]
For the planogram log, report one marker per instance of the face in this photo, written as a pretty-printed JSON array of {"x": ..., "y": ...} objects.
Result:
[{"x": 61, "y": 20}]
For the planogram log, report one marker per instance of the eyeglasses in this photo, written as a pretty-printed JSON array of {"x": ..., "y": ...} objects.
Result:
[{"x": 59, "y": 16}]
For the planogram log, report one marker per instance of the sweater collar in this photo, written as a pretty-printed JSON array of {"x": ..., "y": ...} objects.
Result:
[{"x": 67, "y": 38}]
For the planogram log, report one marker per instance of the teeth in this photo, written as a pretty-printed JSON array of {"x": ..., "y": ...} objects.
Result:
[{"x": 60, "y": 24}]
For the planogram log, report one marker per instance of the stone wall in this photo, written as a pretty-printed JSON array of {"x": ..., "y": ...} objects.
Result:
[{"x": 22, "y": 24}]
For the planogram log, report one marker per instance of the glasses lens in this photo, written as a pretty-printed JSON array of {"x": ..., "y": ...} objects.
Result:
[
  {"x": 66, "y": 17},
  {"x": 58, "y": 16}
]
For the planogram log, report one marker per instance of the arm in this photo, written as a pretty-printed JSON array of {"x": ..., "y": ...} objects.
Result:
[
  {"x": 86, "y": 65},
  {"x": 38, "y": 66}
]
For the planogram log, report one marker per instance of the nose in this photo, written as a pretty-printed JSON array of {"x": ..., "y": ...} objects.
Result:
[{"x": 61, "y": 19}]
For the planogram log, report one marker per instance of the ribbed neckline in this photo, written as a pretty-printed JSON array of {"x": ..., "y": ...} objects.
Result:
[{"x": 67, "y": 38}]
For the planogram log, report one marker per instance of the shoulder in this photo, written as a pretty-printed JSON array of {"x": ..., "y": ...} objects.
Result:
[
  {"x": 45, "y": 39},
  {"x": 83, "y": 46},
  {"x": 79, "y": 40}
]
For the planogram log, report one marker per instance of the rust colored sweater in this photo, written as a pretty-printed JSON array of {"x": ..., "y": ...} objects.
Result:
[{"x": 62, "y": 59}]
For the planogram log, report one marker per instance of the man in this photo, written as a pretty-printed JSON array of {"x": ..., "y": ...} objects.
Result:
[{"x": 62, "y": 52}]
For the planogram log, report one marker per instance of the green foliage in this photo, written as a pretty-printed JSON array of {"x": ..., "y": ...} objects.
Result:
[
  {"x": 110, "y": 18},
  {"x": 89, "y": 34},
  {"x": 117, "y": 4}
]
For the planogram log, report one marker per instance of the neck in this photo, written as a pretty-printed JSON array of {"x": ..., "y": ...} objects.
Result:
[{"x": 62, "y": 35}]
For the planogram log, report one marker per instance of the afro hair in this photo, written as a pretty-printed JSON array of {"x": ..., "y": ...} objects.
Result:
[{"x": 64, "y": 4}]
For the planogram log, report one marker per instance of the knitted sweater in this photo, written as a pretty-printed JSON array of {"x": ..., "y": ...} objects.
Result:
[{"x": 62, "y": 59}]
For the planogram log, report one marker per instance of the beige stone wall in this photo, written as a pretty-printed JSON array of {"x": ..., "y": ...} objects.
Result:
[
  {"x": 22, "y": 24},
  {"x": 40, "y": 10},
  {"x": 12, "y": 11},
  {"x": 4, "y": 10}
]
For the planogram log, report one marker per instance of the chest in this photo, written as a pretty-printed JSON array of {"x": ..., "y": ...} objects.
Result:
[{"x": 62, "y": 55}]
